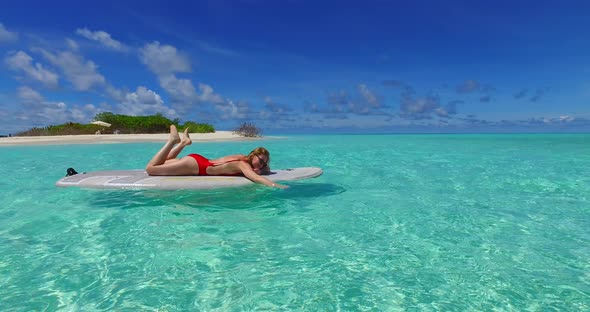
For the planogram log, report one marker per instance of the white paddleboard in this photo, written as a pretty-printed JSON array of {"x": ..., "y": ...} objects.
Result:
[{"x": 139, "y": 179}]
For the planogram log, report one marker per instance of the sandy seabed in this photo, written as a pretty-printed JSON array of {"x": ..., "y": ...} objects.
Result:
[{"x": 218, "y": 136}]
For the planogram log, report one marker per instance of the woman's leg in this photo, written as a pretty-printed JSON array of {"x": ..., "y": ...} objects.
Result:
[
  {"x": 186, "y": 140},
  {"x": 175, "y": 167},
  {"x": 160, "y": 166},
  {"x": 161, "y": 156}
]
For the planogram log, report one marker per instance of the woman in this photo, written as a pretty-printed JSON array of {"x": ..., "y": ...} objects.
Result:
[{"x": 165, "y": 163}]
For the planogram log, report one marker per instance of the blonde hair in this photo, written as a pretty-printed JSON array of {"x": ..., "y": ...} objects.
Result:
[{"x": 260, "y": 151}]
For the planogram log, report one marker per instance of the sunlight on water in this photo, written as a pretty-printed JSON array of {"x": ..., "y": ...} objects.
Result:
[{"x": 397, "y": 222}]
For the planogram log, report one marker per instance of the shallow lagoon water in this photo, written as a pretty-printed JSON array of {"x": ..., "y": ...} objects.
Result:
[{"x": 397, "y": 222}]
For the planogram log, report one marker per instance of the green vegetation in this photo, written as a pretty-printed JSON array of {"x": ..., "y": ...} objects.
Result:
[
  {"x": 198, "y": 127},
  {"x": 121, "y": 124},
  {"x": 248, "y": 130}
]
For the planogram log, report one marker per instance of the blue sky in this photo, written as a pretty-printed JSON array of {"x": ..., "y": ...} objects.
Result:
[{"x": 300, "y": 66}]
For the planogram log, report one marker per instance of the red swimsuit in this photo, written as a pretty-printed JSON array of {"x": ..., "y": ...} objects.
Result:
[{"x": 204, "y": 163}]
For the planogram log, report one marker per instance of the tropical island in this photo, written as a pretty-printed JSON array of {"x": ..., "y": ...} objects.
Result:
[
  {"x": 114, "y": 128},
  {"x": 109, "y": 123}
]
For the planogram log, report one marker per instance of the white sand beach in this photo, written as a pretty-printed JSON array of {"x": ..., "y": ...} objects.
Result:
[{"x": 218, "y": 136}]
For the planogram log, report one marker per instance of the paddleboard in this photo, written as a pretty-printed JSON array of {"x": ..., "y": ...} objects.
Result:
[{"x": 139, "y": 179}]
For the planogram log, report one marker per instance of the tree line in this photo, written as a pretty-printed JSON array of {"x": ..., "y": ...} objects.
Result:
[{"x": 122, "y": 124}]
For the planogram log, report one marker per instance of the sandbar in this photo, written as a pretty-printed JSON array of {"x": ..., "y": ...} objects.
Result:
[{"x": 218, "y": 136}]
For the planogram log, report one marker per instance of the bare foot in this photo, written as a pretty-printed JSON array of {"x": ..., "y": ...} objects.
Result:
[
  {"x": 174, "y": 137},
  {"x": 186, "y": 140}
]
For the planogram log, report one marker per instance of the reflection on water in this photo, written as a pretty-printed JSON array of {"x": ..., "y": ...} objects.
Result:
[{"x": 248, "y": 197}]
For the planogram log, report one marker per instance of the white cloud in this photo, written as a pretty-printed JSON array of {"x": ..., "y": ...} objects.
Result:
[
  {"x": 82, "y": 74},
  {"x": 21, "y": 61},
  {"x": 555, "y": 120},
  {"x": 419, "y": 108},
  {"x": 7, "y": 36},
  {"x": 342, "y": 103},
  {"x": 30, "y": 97},
  {"x": 369, "y": 97},
  {"x": 231, "y": 110},
  {"x": 116, "y": 94},
  {"x": 215, "y": 49},
  {"x": 39, "y": 112},
  {"x": 182, "y": 92},
  {"x": 566, "y": 118},
  {"x": 274, "y": 109},
  {"x": 264, "y": 114},
  {"x": 145, "y": 102},
  {"x": 90, "y": 107},
  {"x": 73, "y": 45},
  {"x": 164, "y": 59},
  {"x": 102, "y": 37},
  {"x": 106, "y": 107},
  {"x": 207, "y": 94},
  {"x": 79, "y": 114}
]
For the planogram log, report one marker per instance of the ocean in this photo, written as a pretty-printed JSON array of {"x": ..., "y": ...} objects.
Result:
[{"x": 396, "y": 222}]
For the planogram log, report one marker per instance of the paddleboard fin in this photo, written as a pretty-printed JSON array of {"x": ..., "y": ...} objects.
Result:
[{"x": 70, "y": 172}]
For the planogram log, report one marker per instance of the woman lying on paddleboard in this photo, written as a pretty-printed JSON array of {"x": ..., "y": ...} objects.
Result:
[{"x": 165, "y": 163}]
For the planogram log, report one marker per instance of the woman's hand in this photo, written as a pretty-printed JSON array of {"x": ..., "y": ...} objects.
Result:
[
  {"x": 255, "y": 177},
  {"x": 281, "y": 186}
]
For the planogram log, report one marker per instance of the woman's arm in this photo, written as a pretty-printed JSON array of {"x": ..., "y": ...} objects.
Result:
[{"x": 253, "y": 176}]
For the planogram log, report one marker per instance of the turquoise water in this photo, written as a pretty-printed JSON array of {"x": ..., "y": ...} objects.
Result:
[{"x": 397, "y": 222}]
